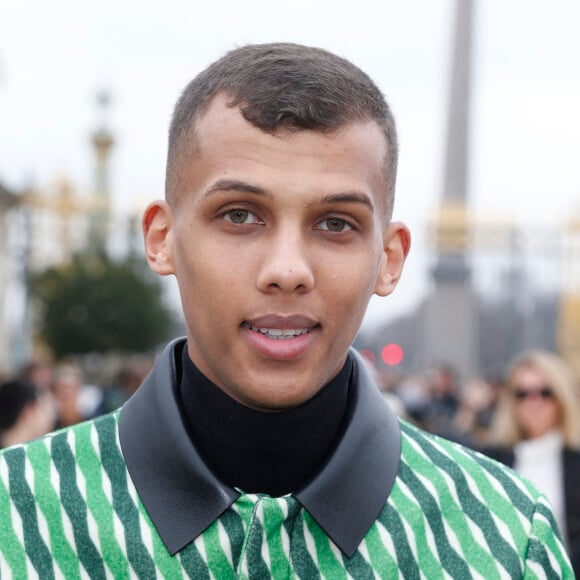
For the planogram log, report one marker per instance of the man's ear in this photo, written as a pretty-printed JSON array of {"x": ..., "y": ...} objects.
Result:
[
  {"x": 158, "y": 235},
  {"x": 396, "y": 244}
]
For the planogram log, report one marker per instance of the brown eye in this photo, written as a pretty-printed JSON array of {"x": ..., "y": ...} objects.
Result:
[
  {"x": 334, "y": 225},
  {"x": 238, "y": 216}
]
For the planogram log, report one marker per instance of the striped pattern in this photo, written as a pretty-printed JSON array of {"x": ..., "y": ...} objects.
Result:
[{"x": 68, "y": 509}]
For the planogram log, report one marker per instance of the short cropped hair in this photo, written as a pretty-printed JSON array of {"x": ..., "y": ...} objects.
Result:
[
  {"x": 282, "y": 87},
  {"x": 559, "y": 378},
  {"x": 15, "y": 395}
]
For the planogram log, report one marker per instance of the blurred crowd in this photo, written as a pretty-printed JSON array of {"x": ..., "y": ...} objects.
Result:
[
  {"x": 528, "y": 419},
  {"x": 44, "y": 397}
]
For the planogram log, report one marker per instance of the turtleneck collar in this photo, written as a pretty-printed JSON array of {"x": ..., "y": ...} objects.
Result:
[{"x": 273, "y": 453}]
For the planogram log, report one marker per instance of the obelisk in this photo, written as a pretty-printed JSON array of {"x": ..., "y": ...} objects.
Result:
[{"x": 450, "y": 313}]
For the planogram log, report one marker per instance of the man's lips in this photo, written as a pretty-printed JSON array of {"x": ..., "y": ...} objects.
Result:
[
  {"x": 278, "y": 337},
  {"x": 279, "y": 327}
]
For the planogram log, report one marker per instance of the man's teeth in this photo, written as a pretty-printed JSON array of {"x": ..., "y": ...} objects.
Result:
[{"x": 279, "y": 333}]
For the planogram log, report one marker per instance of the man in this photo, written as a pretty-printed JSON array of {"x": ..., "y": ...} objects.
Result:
[{"x": 259, "y": 446}]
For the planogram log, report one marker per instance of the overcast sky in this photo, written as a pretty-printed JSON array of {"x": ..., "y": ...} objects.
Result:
[{"x": 525, "y": 150}]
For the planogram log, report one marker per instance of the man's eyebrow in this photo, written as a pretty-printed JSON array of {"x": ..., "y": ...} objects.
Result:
[
  {"x": 349, "y": 197},
  {"x": 224, "y": 185}
]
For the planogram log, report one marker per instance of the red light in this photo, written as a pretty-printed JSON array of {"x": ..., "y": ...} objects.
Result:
[
  {"x": 392, "y": 354},
  {"x": 368, "y": 355}
]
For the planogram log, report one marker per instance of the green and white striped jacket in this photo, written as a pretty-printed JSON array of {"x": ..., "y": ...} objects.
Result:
[{"x": 69, "y": 508}]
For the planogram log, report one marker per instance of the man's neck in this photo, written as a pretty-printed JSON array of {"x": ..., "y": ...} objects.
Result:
[{"x": 258, "y": 452}]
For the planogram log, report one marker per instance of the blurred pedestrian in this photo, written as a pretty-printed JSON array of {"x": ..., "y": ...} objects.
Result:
[
  {"x": 413, "y": 391},
  {"x": 75, "y": 400},
  {"x": 536, "y": 430},
  {"x": 471, "y": 423},
  {"x": 439, "y": 414},
  {"x": 39, "y": 372},
  {"x": 25, "y": 412},
  {"x": 130, "y": 376}
]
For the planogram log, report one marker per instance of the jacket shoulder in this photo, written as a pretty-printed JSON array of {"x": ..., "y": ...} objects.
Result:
[
  {"x": 474, "y": 479},
  {"x": 480, "y": 512},
  {"x": 59, "y": 464},
  {"x": 60, "y": 495},
  {"x": 68, "y": 437}
]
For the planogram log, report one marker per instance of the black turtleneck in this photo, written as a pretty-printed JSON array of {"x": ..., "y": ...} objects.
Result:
[{"x": 258, "y": 452}]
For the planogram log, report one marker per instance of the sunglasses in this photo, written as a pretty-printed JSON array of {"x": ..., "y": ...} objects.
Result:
[{"x": 543, "y": 393}]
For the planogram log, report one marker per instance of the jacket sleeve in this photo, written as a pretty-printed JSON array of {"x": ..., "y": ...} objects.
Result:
[{"x": 546, "y": 555}]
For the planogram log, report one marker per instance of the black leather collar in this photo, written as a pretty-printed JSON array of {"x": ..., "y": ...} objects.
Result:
[{"x": 183, "y": 497}]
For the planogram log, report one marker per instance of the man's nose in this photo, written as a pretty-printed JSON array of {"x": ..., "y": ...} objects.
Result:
[{"x": 286, "y": 265}]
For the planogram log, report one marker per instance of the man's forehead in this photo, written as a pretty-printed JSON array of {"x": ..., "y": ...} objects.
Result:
[{"x": 221, "y": 126}]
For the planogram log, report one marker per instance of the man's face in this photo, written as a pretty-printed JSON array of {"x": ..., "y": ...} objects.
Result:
[{"x": 277, "y": 243}]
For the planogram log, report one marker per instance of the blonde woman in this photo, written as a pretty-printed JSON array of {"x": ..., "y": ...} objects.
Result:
[{"x": 536, "y": 431}]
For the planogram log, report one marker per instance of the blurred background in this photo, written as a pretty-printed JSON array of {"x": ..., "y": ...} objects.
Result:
[
  {"x": 486, "y": 95},
  {"x": 486, "y": 99}
]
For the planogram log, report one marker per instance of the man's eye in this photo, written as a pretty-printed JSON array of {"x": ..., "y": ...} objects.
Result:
[
  {"x": 335, "y": 225},
  {"x": 240, "y": 216}
]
